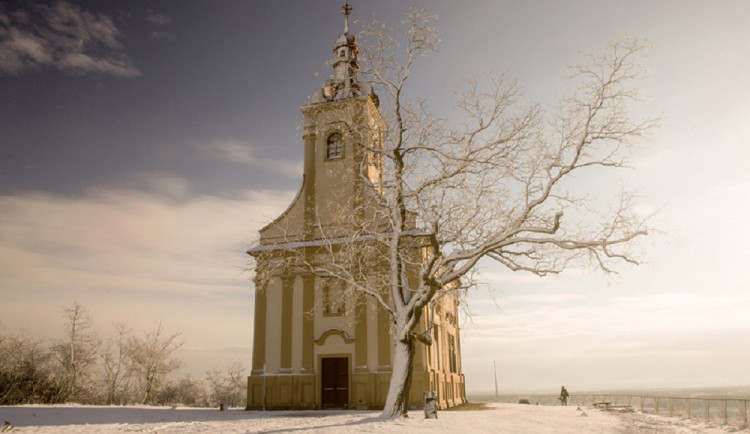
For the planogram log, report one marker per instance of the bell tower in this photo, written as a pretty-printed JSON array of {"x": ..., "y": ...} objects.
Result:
[{"x": 343, "y": 142}]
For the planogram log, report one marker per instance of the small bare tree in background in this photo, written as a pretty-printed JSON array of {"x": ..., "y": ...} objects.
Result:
[
  {"x": 125, "y": 369},
  {"x": 228, "y": 386},
  {"x": 151, "y": 358},
  {"x": 77, "y": 352},
  {"x": 184, "y": 391},
  {"x": 115, "y": 367},
  {"x": 494, "y": 185},
  {"x": 27, "y": 367}
]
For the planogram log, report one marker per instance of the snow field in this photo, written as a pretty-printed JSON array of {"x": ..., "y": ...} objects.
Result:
[{"x": 500, "y": 418}]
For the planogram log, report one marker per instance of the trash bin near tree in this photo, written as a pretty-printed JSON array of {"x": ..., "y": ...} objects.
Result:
[{"x": 430, "y": 405}]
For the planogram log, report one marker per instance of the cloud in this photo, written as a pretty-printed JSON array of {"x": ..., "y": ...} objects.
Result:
[
  {"x": 165, "y": 185},
  {"x": 128, "y": 242},
  {"x": 666, "y": 315},
  {"x": 159, "y": 19},
  {"x": 61, "y": 36},
  {"x": 231, "y": 150},
  {"x": 124, "y": 238},
  {"x": 158, "y": 34},
  {"x": 138, "y": 257},
  {"x": 654, "y": 340},
  {"x": 653, "y": 161},
  {"x": 244, "y": 153},
  {"x": 500, "y": 278},
  {"x": 543, "y": 298}
]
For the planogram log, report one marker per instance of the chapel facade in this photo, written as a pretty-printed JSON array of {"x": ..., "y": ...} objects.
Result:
[{"x": 313, "y": 347}]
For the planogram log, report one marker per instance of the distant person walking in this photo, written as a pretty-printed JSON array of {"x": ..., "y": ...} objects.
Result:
[{"x": 563, "y": 396}]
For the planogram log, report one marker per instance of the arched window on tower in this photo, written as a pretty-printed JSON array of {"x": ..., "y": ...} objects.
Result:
[{"x": 335, "y": 147}]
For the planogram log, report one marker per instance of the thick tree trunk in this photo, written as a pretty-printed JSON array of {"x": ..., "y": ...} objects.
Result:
[{"x": 397, "y": 402}]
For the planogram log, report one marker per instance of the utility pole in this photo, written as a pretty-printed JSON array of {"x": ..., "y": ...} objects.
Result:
[
  {"x": 264, "y": 387},
  {"x": 494, "y": 367}
]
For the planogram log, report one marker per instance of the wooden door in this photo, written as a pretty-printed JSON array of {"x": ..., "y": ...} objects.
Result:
[{"x": 334, "y": 382}]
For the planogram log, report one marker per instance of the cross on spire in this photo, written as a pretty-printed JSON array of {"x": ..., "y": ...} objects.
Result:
[{"x": 346, "y": 10}]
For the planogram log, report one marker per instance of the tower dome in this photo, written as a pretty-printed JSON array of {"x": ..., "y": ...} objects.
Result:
[{"x": 343, "y": 82}]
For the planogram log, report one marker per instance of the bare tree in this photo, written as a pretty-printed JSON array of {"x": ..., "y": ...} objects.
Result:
[
  {"x": 183, "y": 391},
  {"x": 229, "y": 386},
  {"x": 495, "y": 185},
  {"x": 151, "y": 358},
  {"x": 78, "y": 351},
  {"x": 27, "y": 367},
  {"x": 126, "y": 369},
  {"x": 115, "y": 369}
]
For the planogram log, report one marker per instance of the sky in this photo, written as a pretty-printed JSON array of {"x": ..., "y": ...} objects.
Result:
[{"x": 144, "y": 143}]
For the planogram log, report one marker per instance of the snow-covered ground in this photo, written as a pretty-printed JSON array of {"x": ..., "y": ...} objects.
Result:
[{"x": 500, "y": 418}]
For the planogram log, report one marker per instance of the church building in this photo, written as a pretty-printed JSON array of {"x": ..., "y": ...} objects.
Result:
[{"x": 313, "y": 346}]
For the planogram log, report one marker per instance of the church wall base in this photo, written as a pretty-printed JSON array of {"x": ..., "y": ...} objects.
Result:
[
  {"x": 281, "y": 392},
  {"x": 367, "y": 391}
]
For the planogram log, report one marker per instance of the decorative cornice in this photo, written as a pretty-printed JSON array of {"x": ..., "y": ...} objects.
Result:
[{"x": 330, "y": 332}]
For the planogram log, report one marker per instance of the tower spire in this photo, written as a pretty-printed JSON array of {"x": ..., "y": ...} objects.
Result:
[
  {"x": 344, "y": 83},
  {"x": 346, "y": 10}
]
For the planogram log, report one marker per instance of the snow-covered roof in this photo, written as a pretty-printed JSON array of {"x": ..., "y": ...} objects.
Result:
[{"x": 329, "y": 241}]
